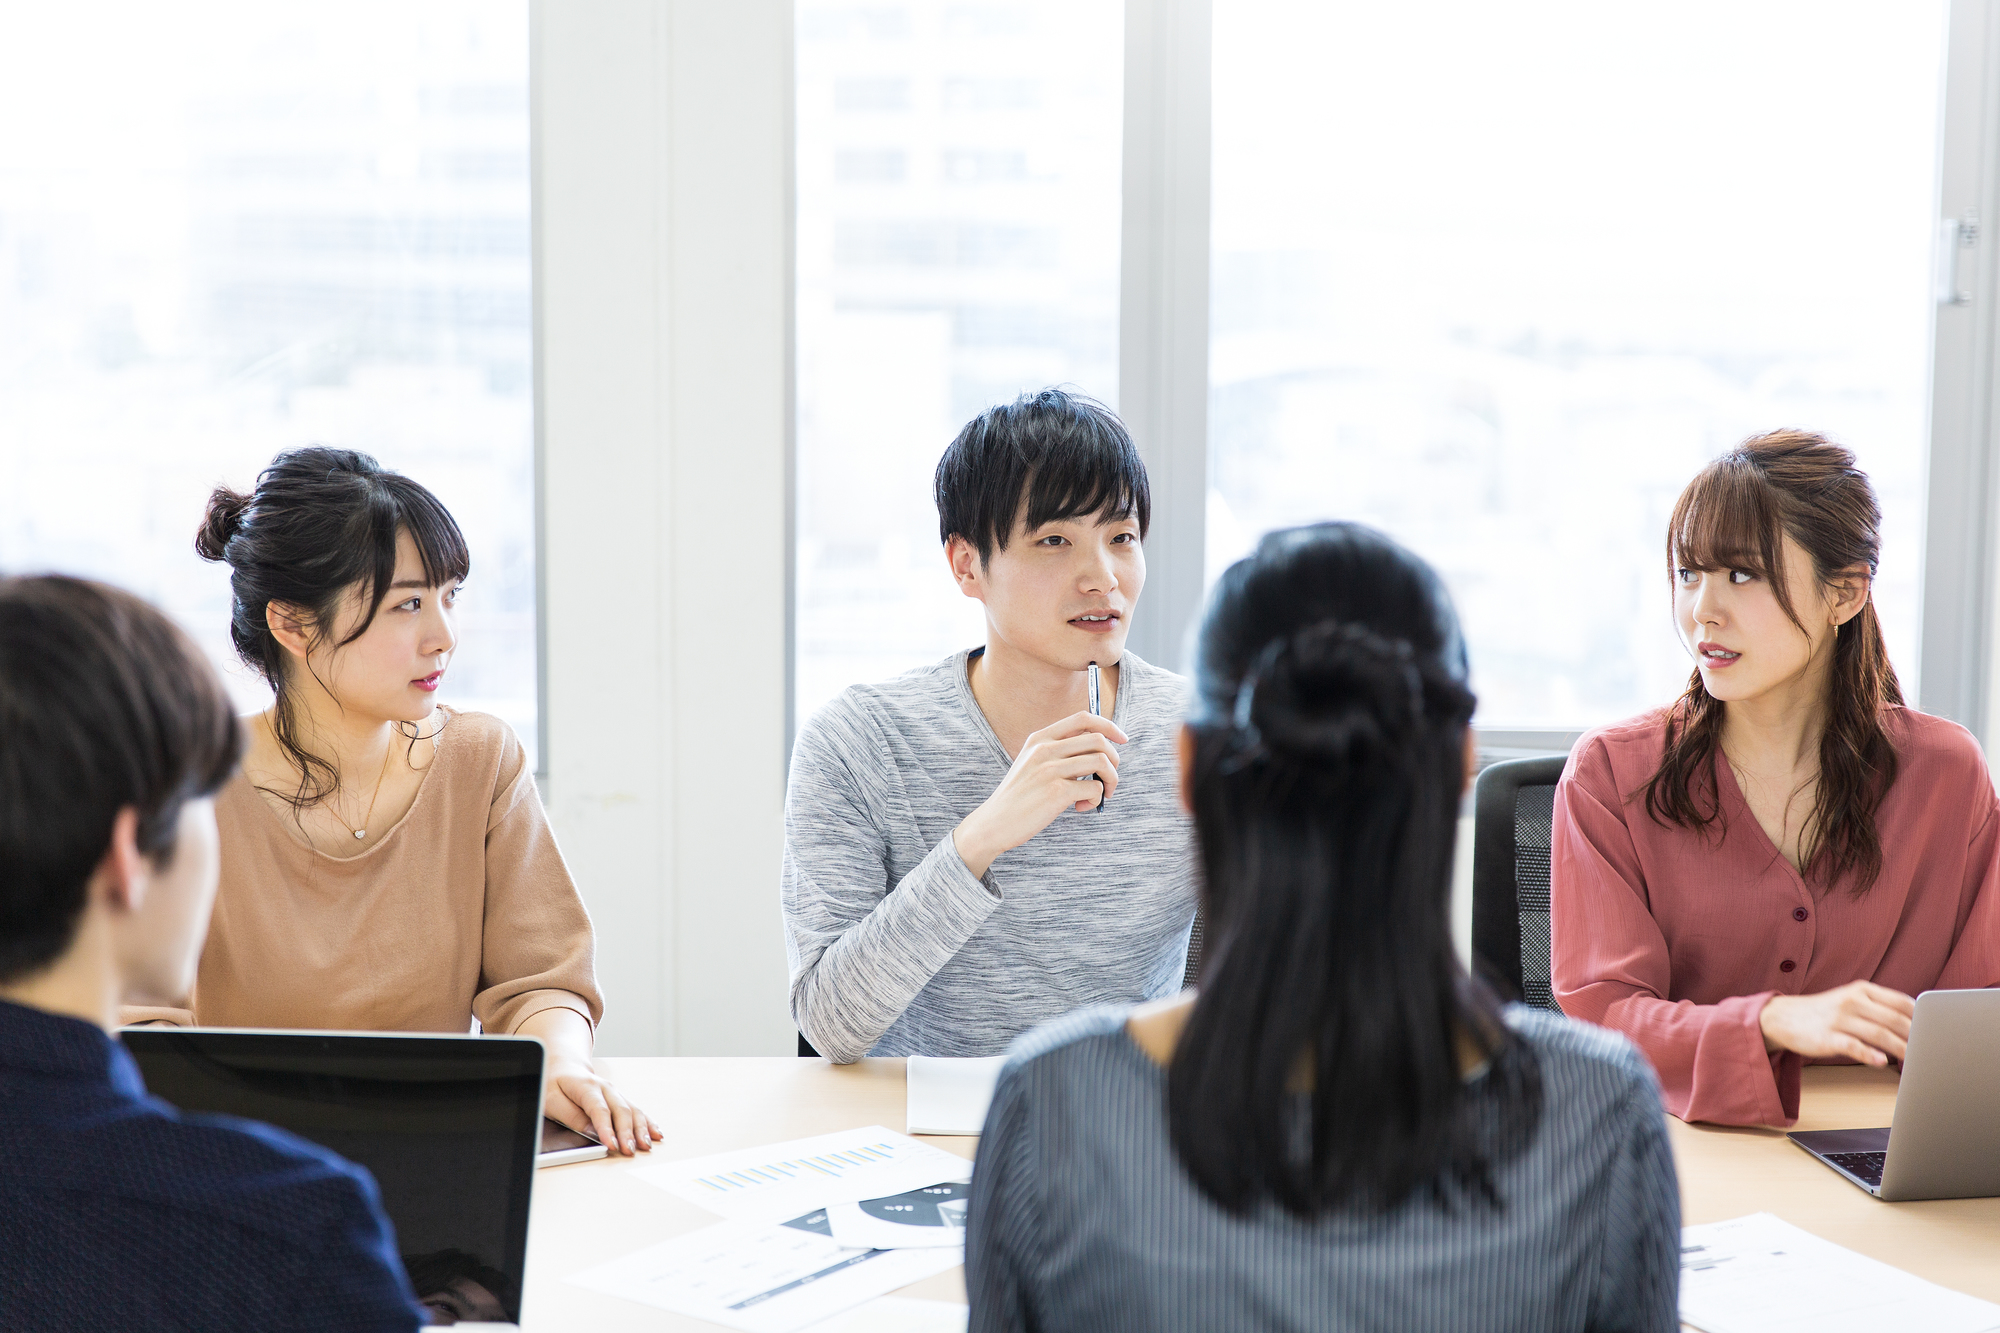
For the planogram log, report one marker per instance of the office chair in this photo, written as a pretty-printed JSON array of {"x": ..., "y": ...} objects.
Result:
[{"x": 1513, "y": 806}]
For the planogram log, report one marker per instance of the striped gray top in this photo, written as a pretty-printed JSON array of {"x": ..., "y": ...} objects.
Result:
[
  {"x": 1082, "y": 1217},
  {"x": 896, "y": 949}
]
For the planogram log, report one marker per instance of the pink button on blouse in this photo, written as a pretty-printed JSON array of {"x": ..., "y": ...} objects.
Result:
[{"x": 1678, "y": 937}]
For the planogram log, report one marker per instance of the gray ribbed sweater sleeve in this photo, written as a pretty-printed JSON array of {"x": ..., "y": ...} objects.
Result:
[
  {"x": 861, "y": 958},
  {"x": 896, "y": 948},
  {"x": 859, "y": 955}
]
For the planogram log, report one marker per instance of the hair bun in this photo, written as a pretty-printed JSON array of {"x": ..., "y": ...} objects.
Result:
[
  {"x": 1331, "y": 693},
  {"x": 223, "y": 521}
]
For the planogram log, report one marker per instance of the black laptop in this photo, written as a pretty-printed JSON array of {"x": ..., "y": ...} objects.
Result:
[{"x": 449, "y": 1126}]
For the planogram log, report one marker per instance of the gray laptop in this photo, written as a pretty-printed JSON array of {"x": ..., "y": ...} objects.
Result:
[{"x": 1945, "y": 1142}]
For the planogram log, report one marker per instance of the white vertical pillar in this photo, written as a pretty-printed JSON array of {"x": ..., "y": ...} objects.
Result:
[
  {"x": 1163, "y": 310},
  {"x": 663, "y": 251},
  {"x": 1955, "y": 660}
]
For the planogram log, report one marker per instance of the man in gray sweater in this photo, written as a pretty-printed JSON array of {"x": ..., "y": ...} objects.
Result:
[{"x": 968, "y": 849}]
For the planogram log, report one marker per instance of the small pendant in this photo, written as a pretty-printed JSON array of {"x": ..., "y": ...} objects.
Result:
[{"x": 361, "y": 833}]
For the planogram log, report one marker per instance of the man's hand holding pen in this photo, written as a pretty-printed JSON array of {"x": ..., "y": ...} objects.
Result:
[{"x": 1041, "y": 785}]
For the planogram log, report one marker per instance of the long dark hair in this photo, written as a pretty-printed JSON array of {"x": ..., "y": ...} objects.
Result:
[
  {"x": 1735, "y": 514},
  {"x": 318, "y": 522},
  {"x": 1329, "y": 735}
]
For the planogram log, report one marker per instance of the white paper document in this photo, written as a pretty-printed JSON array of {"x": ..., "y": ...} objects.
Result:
[
  {"x": 780, "y": 1181},
  {"x": 898, "y": 1314},
  {"x": 950, "y": 1095},
  {"x": 763, "y": 1278},
  {"x": 927, "y": 1217},
  {"x": 1759, "y": 1274}
]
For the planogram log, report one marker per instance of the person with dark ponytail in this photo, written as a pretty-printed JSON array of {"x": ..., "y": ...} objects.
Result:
[
  {"x": 386, "y": 862},
  {"x": 1765, "y": 872},
  {"x": 1340, "y": 1129}
]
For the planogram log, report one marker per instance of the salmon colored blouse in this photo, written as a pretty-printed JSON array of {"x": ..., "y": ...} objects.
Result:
[{"x": 1678, "y": 937}]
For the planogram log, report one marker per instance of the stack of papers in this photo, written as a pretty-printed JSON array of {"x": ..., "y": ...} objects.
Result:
[
  {"x": 816, "y": 1227},
  {"x": 1759, "y": 1274},
  {"x": 896, "y": 1314},
  {"x": 950, "y": 1096}
]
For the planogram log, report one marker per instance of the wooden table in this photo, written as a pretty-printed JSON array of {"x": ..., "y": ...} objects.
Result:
[
  {"x": 1729, "y": 1172},
  {"x": 593, "y": 1211}
]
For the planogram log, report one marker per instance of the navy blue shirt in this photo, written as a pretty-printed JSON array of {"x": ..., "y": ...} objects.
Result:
[{"x": 117, "y": 1211}]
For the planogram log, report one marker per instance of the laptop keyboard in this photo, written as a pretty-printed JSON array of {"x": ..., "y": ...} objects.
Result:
[{"x": 1865, "y": 1165}]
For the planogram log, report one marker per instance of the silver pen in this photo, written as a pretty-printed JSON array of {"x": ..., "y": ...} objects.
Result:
[{"x": 1096, "y": 710}]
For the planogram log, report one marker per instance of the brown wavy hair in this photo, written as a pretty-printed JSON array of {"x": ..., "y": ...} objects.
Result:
[{"x": 1736, "y": 514}]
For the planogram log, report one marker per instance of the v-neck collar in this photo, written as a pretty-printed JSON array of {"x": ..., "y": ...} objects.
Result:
[
  {"x": 970, "y": 701},
  {"x": 1725, "y": 772}
]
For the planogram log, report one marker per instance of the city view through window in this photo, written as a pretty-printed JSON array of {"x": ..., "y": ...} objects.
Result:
[
  {"x": 1444, "y": 301},
  {"x": 317, "y": 231},
  {"x": 958, "y": 215},
  {"x": 1500, "y": 279}
]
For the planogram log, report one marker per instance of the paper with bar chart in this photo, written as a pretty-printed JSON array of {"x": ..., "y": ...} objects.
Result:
[
  {"x": 780, "y": 1181},
  {"x": 760, "y": 1278}
]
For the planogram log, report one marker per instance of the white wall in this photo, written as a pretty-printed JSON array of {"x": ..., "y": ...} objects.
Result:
[{"x": 663, "y": 268}]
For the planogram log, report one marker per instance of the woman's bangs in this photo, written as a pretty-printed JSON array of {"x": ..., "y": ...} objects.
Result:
[
  {"x": 1724, "y": 520},
  {"x": 401, "y": 505},
  {"x": 440, "y": 544}
]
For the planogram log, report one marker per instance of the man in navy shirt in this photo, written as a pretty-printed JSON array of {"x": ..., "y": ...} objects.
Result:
[{"x": 116, "y": 1211}]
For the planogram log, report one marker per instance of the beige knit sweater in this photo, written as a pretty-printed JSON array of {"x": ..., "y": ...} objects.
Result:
[{"x": 464, "y": 909}]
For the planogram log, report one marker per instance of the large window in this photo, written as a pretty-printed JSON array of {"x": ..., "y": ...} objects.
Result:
[
  {"x": 231, "y": 228},
  {"x": 1501, "y": 278},
  {"x": 957, "y": 244}
]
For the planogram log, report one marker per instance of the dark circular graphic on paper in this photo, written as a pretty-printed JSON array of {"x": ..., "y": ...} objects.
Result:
[{"x": 932, "y": 1206}]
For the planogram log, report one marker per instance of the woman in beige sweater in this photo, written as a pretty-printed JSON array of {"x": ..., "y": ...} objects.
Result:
[{"x": 386, "y": 863}]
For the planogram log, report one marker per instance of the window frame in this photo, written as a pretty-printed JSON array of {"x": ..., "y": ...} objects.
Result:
[
  {"x": 1956, "y": 661},
  {"x": 1163, "y": 327}
]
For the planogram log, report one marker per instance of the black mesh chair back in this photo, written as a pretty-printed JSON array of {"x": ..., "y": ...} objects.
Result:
[{"x": 1513, "y": 807}]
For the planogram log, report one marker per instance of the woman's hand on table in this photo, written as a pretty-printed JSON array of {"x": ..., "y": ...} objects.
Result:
[
  {"x": 1867, "y": 1023},
  {"x": 577, "y": 1095},
  {"x": 589, "y": 1103}
]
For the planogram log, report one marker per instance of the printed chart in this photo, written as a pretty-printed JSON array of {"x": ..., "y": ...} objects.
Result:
[
  {"x": 761, "y": 1279},
  {"x": 780, "y": 1181}
]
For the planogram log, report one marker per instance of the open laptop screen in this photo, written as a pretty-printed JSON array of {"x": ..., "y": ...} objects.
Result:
[{"x": 449, "y": 1127}]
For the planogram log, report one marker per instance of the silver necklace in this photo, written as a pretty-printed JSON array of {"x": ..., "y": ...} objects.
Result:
[{"x": 380, "y": 777}]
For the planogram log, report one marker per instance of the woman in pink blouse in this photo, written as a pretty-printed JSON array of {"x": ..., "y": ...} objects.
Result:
[{"x": 1767, "y": 871}]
